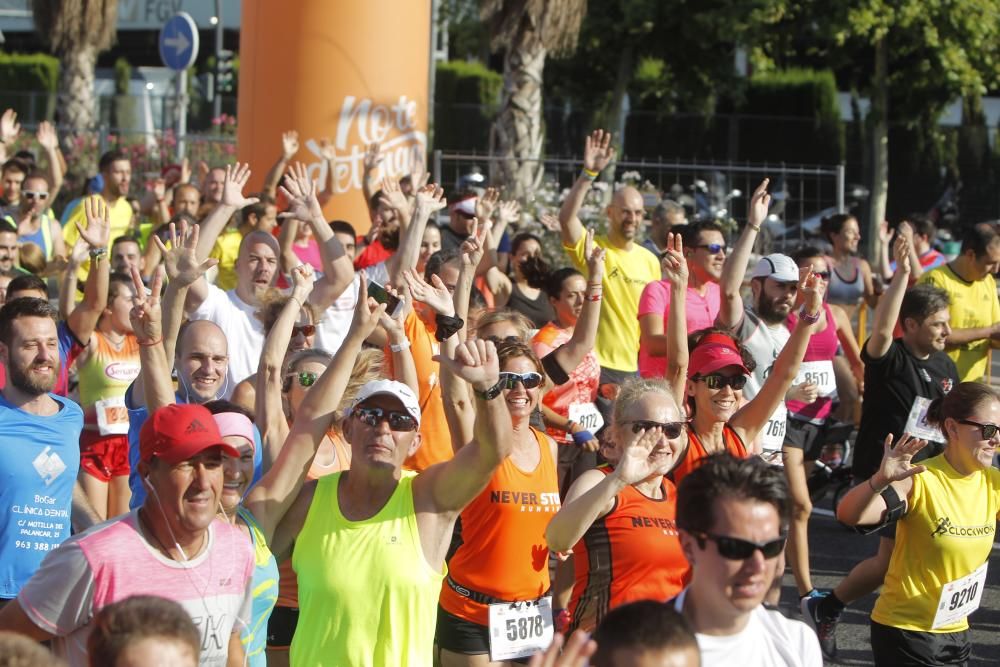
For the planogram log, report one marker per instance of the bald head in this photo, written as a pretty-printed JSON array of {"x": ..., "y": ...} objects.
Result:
[
  {"x": 625, "y": 214},
  {"x": 202, "y": 361}
]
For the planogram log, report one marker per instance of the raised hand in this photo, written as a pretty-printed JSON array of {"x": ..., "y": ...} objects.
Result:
[
  {"x": 435, "y": 295},
  {"x": 812, "y": 289},
  {"x": 237, "y": 176},
  {"x": 10, "y": 129},
  {"x": 549, "y": 222},
  {"x": 509, "y": 211},
  {"x": 46, "y": 136},
  {"x": 181, "y": 260},
  {"x": 897, "y": 461},
  {"x": 430, "y": 197},
  {"x": 393, "y": 197},
  {"x": 303, "y": 280},
  {"x": 98, "y": 228},
  {"x": 367, "y": 311},
  {"x": 418, "y": 172},
  {"x": 759, "y": 204},
  {"x": 597, "y": 151},
  {"x": 78, "y": 255},
  {"x": 159, "y": 189},
  {"x": 578, "y": 650},
  {"x": 289, "y": 144},
  {"x": 595, "y": 258},
  {"x": 487, "y": 203},
  {"x": 327, "y": 150},
  {"x": 637, "y": 463},
  {"x": 185, "y": 171},
  {"x": 473, "y": 248},
  {"x": 393, "y": 322},
  {"x": 300, "y": 190},
  {"x": 475, "y": 362},
  {"x": 373, "y": 157},
  {"x": 901, "y": 252},
  {"x": 884, "y": 232},
  {"x": 675, "y": 268},
  {"x": 145, "y": 316}
]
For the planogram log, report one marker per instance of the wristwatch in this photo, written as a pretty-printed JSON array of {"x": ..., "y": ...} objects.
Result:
[{"x": 490, "y": 393}]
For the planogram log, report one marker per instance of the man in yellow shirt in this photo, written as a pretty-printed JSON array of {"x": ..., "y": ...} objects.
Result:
[
  {"x": 116, "y": 169},
  {"x": 975, "y": 310},
  {"x": 629, "y": 267}
]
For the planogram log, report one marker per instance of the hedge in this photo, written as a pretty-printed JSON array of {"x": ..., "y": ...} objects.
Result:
[{"x": 466, "y": 97}]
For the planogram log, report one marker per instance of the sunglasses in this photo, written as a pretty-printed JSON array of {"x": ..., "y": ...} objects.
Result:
[
  {"x": 398, "y": 421},
  {"x": 529, "y": 380},
  {"x": 29, "y": 194},
  {"x": 737, "y": 382},
  {"x": 670, "y": 429},
  {"x": 733, "y": 548},
  {"x": 306, "y": 378},
  {"x": 986, "y": 430},
  {"x": 713, "y": 248},
  {"x": 825, "y": 275},
  {"x": 305, "y": 330},
  {"x": 497, "y": 340}
]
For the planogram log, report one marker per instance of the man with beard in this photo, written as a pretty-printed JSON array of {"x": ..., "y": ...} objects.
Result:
[
  {"x": 8, "y": 246},
  {"x": 172, "y": 547},
  {"x": 628, "y": 267},
  {"x": 705, "y": 252},
  {"x": 40, "y": 456}
]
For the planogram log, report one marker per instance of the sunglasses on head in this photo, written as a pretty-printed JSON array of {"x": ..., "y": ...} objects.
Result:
[
  {"x": 305, "y": 329},
  {"x": 529, "y": 380},
  {"x": 986, "y": 430},
  {"x": 713, "y": 248},
  {"x": 716, "y": 381},
  {"x": 305, "y": 378},
  {"x": 733, "y": 548},
  {"x": 670, "y": 429},
  {"x": 398, "y": 421},
  {"x": 30, "y": 194}
]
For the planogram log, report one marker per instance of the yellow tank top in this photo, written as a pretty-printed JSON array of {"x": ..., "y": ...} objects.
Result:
[
  {"x": 367, "y": 595},
  {"x": 946, "y": 534},
  {"x": 108, "y": 372}
]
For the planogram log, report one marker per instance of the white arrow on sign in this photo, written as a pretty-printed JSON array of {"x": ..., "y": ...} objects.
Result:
[{"x": 179, "y": 43}]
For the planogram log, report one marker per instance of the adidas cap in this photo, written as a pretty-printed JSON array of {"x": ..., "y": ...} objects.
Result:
[{"x": 175, "y": 433}]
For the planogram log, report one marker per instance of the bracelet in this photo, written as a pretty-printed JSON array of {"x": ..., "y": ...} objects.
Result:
[
  {"x": 872, "y": 486},
  {"x": 292, "y": 297},
  {"x": 96, "y": 253},
  {"x": 807, "y": 318},
  {"x": 756, "y": 227},
  {"x": 589, "y": 174},
  {"x": 151, "y": 343},
  {"x": 593, "y": 297},
  {"x": 399, "y": 347}
]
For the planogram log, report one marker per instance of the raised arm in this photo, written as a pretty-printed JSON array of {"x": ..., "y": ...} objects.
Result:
[
  {"x": 597, "y": 154},
  {"x": 49, "y": 141},
  {"x": 887, "y": 310},
  {"x": 753, "y": 416},
  {"x": 328, "y": 152},
  {"x": 270, "y": 417},
  {"x": 864, "y": 505},
  {"x": 731, "y": 311},
  {"x": 289, "y": 147},
  {"x": 675, "y": 271},
  {"x": 428, "y": 200},
  {"x": 369, "y": 178},
  {"x": 69, "y": 282},
  {"x": 146, "y": 318},
  {"x": 271, "y": 497},
  {"x": 403, "y": 366},
  {"x": 581, "y": 343},
  {"x": 83, "y": 320}
]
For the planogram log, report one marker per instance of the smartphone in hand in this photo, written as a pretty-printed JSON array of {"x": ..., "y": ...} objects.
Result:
[{"x": 380, "y": 294}]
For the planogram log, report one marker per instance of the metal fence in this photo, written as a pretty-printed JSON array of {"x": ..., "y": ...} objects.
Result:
[{"x": 800, "y": 193}]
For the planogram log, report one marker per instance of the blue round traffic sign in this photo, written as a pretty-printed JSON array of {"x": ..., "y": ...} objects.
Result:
[{"x": 179, "y": 41}]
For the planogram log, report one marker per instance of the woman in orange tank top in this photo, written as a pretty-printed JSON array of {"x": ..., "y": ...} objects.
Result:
[
  {"x": 619, "y": 520},
  {"x": 502, "y": 557},
  {"x": 710, "y": 377}
]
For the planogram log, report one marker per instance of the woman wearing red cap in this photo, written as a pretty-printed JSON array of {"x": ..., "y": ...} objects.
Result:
[{"x": 710, "y": 377}]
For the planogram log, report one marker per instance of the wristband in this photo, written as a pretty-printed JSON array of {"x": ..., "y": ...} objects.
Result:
[
  {"x": 872, "y": 486},
  {"x": 589, "y": 174},
  {"x": 151, "y": 343},
  {"x": 756, "y": 227},
  {"x": 447, "y": 326},
  {"x": 581, "y": 437},
  {"x": 399, "y": 347},
  {"x": 593, "y": 297},
  {"x": 807, "y": 318},
  {"x": 492, "y": 392},
  {"x": 569, "y": 425},
  {"x": 96, "y": 253}
]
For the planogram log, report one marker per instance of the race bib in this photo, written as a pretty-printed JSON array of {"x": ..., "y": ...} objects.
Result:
[
  {"x": 960, "y": 598},
  {"x": 112, "y": 416},
  {"x": 819, "y": 373},
  {"x": 520, "y": 629},
  {"x": 916, "y": 422},
  {"x": 586, "y": 415},
  {"x": 773, "y": 435}
]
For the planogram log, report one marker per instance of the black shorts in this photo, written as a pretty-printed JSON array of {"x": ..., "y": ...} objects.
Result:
[
  {"x": 805, "y": 436},
  {"x": 281, "y": 627},
  {"x": 903, "y": 648},
  {"x": 461, "y": 636}
]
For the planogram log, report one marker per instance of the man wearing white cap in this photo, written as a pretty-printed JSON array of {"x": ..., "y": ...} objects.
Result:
[{"x": 370, "y": 555}]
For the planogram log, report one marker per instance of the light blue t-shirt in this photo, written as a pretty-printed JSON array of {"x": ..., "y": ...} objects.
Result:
[{"x": 39, "y": 463}]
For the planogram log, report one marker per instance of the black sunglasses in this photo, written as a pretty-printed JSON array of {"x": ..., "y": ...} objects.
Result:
[
  {"x": 670, "y": 429},
  {"x": 30, "y": 194},
  {"x": 398, "y": 421},
  {"x": 733, "y": 548},
  {"x": 714, "y": 381},
  {"x": 497, "y": 340},
  {"x": 305, "y": 378},
  {"x": 986, "y": 430},
  {"x": 305, "y": 329},
  {"x": 529, "y": 380},
  {"x": 713, "y": 248}
]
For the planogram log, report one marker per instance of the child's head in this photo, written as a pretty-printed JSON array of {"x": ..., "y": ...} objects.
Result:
[
  {"x": 645, "y": 634},
  {"x": 131, "y": 632}
]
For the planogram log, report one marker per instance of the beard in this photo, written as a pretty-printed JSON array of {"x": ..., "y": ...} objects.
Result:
[
  {"x": 22, "y": 380},
  {"x": 771, "y": 312}
]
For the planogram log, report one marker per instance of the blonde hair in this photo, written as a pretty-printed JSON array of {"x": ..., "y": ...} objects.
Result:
[
  {"x": 519, "y": 321},
  {"x": 634, "y": 389},
  {"x": 31, "y": 257}
]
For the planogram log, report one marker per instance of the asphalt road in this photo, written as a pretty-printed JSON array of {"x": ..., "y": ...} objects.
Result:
[{"x": 835, "y": 550}]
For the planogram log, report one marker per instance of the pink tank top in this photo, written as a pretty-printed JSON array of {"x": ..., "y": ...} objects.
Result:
[{"x": 817, "y": 365}]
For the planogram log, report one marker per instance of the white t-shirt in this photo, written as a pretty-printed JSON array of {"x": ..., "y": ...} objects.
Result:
[
  {"x": 245, "y": 333},
  {"x": 335, "y": 321},
  {"x": 768, "y": 640}
]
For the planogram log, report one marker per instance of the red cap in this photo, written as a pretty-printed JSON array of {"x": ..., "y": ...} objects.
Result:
[
  {"x": 714, "y": 351},
  {"x": 176, "y": 433}
]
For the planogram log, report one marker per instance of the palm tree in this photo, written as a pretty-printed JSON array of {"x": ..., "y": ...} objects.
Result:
[
  {"x": 77, "y": 31},
  {"x": 527, "y": 31}
]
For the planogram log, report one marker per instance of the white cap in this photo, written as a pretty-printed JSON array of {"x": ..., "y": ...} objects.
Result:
[
  {"x": 777, "y": 266},
  {"x": 390, "y": 388},
  {"x": 466, "y": 206}
]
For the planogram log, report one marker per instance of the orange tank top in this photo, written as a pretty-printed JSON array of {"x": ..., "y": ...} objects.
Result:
[
  {"x": 696, "y": 452},
  {"x": 503, "y": 552},
  {"x": 632, "y": 553},
  {"x": 340, "y": 453}
]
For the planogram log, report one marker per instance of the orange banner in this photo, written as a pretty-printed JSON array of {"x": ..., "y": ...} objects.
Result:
[{"x": 353, "y": 72}]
